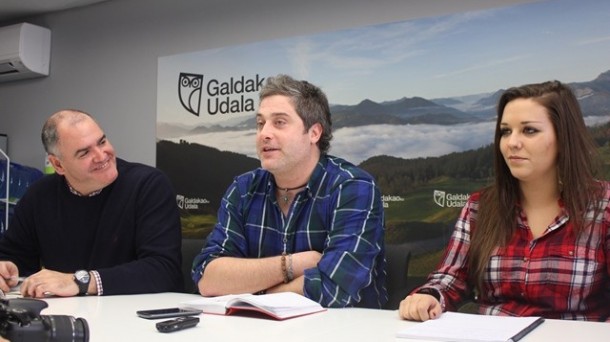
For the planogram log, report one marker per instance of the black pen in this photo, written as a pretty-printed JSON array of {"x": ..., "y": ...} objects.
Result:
[{"x": 527, "y": 330}]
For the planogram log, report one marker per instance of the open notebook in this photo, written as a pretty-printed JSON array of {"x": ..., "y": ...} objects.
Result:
[{"x": 279, "y": 306}]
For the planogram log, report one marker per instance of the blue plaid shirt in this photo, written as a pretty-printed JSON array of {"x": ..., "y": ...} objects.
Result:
[{"x": 339, "y": 213}]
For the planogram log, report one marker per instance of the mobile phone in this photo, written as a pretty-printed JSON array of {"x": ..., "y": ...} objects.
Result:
[
  {"x": 167, "y": 313},
  {"x": 176, "y": 324}
]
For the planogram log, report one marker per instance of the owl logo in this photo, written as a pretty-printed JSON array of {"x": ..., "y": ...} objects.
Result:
[
  {"x": 180, "y": 201},
  {"x": 189, "y": 91},
  {"x": 439, "y": 198}
]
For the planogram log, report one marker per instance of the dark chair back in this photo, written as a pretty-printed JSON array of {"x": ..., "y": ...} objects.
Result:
[
  {"x": 397, "y": 270},
  {"x": 190, "y": 249}
]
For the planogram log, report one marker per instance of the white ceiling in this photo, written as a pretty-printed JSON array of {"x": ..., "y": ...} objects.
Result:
[{"x": 13, "y": 10}]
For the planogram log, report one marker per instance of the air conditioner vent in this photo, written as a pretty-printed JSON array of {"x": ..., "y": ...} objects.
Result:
[{"x": 24, "y": 51}]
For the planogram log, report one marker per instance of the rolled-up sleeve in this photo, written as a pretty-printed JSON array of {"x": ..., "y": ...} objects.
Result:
[{"x": 355, "y": 238}]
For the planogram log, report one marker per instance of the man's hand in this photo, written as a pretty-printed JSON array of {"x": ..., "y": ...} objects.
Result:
[
  {"x": 304, "y": 260},
  {"x": 296, "y": 286},
  {"x": 9, "y": 275},
  {"x": 49, "y": 283},
  {"x": 419, "y": 307}
]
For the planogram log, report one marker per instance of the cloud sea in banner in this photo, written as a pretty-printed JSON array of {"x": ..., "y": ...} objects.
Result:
[{"x": 360, "y": 143}]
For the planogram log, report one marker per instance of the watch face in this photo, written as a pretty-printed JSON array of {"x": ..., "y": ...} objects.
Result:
[{"x": 82, "y": 276}]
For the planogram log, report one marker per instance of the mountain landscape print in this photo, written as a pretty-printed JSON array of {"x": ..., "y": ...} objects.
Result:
[{"x": 412, "y": 102}]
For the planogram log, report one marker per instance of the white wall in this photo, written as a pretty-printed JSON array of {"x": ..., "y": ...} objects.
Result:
[{"x": 104, "y": 57}]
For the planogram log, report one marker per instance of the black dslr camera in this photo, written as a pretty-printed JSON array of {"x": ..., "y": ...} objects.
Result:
[{"x": 20, "y": 320}]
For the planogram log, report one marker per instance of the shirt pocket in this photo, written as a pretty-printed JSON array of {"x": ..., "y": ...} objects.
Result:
[{"x": 573, "y": 266}]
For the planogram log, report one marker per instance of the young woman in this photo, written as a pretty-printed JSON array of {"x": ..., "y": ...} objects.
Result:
[{"x": 537, "y": 241}]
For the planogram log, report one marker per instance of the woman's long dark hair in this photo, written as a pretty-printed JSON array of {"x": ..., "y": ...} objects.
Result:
[{"x": 577, "y": 165}]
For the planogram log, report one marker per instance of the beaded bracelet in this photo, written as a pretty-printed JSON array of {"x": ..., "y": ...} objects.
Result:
[
  {"x": 290, "y": 272},
  {"x": 287, "y": 271},
  {"x": 284, "y": 270}
]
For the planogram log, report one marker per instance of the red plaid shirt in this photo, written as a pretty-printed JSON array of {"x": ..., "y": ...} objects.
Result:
[{"x": 555, "y": 276}]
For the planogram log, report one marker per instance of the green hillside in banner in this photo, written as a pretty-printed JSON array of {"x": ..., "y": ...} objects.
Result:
[{"x": 202, "y": 171}]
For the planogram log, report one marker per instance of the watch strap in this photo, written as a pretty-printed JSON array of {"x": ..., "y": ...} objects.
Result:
[
  {"x": 83, "y": 284},
  {"x": 430, "y": 291}
]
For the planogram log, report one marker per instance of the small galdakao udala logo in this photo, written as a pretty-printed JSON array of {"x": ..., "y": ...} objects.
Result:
[
  {"x": 187, "y": 203},
  {"x": 449, "y": 200}
]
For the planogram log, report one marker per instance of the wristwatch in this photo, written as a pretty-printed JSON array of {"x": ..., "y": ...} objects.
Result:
[
  {"x": 82, "y": 278},
  {"x": 430, "y": 291}
]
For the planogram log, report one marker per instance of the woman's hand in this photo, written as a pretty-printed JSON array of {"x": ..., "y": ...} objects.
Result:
[{"x": 420, "y": 307}]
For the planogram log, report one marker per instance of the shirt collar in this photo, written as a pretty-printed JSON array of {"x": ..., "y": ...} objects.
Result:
[{"x": 77, "y": 193}]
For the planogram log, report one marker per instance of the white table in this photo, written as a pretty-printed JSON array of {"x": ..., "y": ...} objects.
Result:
[{"x": 113, "y": 318}]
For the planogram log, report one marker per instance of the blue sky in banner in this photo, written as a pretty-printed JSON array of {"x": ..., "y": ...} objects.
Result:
[{"x": 448, "y": 56}]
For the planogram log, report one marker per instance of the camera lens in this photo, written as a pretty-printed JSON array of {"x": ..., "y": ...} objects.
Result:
[{"x": 67, "y": 328}]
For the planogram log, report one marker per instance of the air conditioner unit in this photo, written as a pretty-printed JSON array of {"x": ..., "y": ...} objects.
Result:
[{"x": 24, "y": 51}]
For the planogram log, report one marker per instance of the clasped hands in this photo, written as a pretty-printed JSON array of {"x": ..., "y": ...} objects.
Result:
[{"x": 44, "y": 283}]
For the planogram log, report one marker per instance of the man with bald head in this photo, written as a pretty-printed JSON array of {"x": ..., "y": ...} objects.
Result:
[{"x": 99, "y": 226}]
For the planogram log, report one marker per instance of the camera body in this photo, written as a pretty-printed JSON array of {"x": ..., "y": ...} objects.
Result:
[{"x": 20, "y": 320}]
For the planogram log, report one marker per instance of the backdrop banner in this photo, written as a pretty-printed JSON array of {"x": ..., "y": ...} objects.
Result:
[{"x": 412, "y": 102}]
